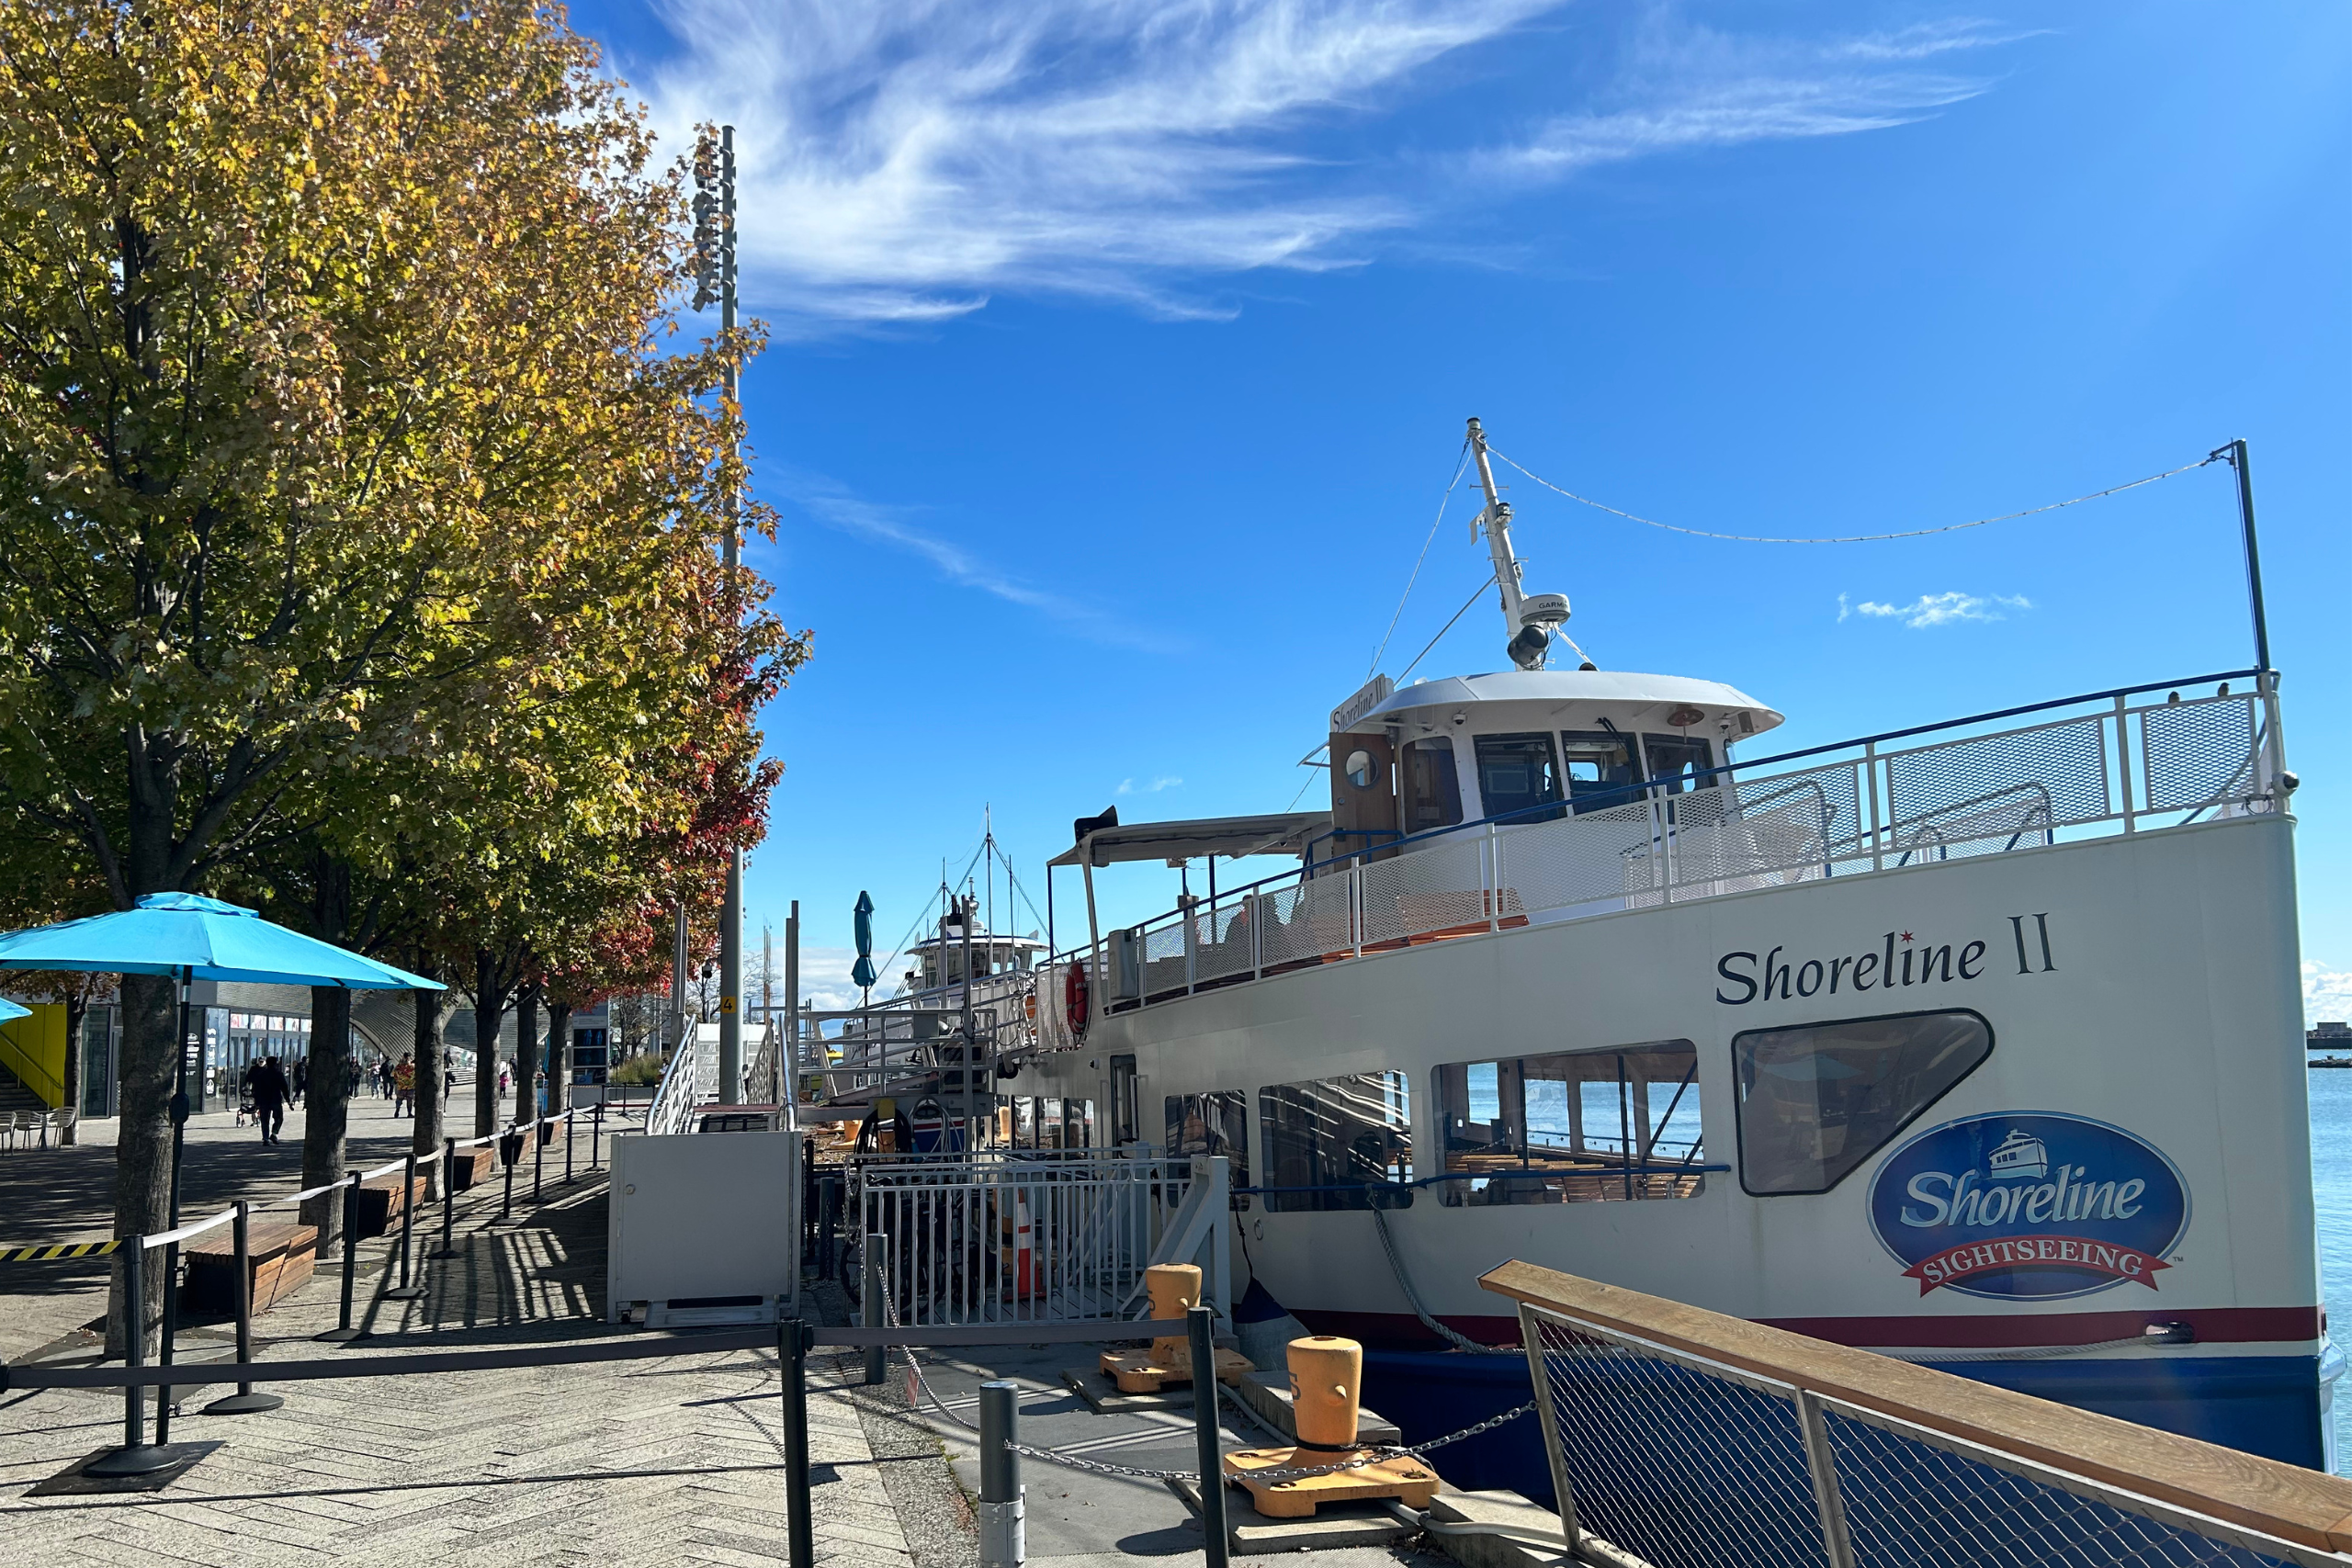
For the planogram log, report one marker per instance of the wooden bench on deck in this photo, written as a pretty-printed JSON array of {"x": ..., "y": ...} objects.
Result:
[{"x": 279, "y": 1255}]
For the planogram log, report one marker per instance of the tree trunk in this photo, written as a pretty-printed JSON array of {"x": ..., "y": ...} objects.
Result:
[
  {"x": 559, "y": 1056},
  {"x": 77, "y": 1008},
  {"x": 490, "y": 1007},
  {"x": 527, "y": 1051},
  {"x": 327, "y": 1111},
  {"x": 425, "y": 1047},
  {"x": 142, "y": 1154},
  {"x": 327, "y": 1101}
]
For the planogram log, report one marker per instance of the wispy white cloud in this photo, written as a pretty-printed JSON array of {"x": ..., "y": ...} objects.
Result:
[
  {"x": 831, "y": 502},
  {"x": 1936, "y": 609},
  {"x": 902, "y": 160},
  {"x": 1129, "y": 786},
  {"x": 2327, "y": 993},
  {"x": 1686, "y": 87}
]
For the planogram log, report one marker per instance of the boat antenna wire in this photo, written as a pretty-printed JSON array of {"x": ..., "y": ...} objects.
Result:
[
  {"x": 2222, "y": 456},
  {"x": 1449, "y": 626},
  {"x": 1462, "y": 464}
]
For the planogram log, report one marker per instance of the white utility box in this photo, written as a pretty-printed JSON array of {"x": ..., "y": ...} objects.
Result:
[{"x": 705, "y": 1228}]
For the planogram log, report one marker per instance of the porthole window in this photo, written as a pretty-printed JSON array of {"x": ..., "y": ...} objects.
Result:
[
  {"x": 1359, "y": 769},
  {"x": 1818, "y": 1099}
]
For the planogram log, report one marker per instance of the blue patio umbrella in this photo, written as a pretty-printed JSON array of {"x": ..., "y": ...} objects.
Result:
[
  {"x": 9, "y": 1009},
  {"x": 861, "y": 974},
  {"x": 193, "y": 938}
]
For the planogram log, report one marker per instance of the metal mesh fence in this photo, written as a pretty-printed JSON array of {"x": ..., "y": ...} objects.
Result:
[
  {"x": 1305, "y": 922},
  {"x": 1911, "y": 1503},
  {"x": 1681, "y": 1469},
  {"x": 2068, "y": 761},
  {"x": 1609, "y": 853},
  {"x": 2192, "y": 754},
  {"x": 1439, "y": 886}
]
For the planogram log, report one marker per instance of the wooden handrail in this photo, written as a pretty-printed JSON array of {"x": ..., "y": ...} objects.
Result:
[{"x": 2305, "y": 1507}]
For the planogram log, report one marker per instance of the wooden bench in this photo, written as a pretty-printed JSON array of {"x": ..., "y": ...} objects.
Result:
[
  {"x": 279, "y": 1256},
  {"x": 472, "y": 1167},
  {"x": 379, "y": 1202}
]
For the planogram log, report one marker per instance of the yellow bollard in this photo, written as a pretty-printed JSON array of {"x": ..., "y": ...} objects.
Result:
[
  {"x": 1326, "y": 1396},
  {"x": 1174, "y": 1290},
  {"x": 1327, "y": 1390}
]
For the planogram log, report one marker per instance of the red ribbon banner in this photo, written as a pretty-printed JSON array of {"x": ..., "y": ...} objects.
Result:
[{"x": 1970, "y": 1258}]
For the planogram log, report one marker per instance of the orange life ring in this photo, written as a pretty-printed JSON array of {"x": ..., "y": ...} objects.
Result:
[{"x": 1074, "y": 997}]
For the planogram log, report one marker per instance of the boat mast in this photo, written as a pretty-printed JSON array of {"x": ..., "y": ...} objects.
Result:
[{"x": 1529, "y": 616}]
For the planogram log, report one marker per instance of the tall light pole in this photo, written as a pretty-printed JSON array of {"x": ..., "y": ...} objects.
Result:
[{"x": 715, "y": 277}]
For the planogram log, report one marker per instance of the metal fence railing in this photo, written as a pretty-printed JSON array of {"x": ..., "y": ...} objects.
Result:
[
  {"x": 2116, "y": 762},
  {"x": 682, "y": 1086},
  {"x": 1018, "y": 1236},
  {"x": 1680, "y": 1438}
]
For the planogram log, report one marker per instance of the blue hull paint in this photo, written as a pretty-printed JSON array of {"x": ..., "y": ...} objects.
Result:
[{"x": 2267, "y": 1405}]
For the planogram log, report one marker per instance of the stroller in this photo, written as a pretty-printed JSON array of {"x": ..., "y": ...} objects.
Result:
[{"x": 246, "y": 1115}]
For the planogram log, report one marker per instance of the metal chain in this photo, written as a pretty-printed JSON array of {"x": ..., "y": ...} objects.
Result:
[
  {"x": 890, "y": 1316},
  {"x": 1294, "y": 1473}
]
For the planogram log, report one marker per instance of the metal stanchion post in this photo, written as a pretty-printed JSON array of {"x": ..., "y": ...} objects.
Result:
[
  {"x": 342, "y": 1332},
  {"x": 408, "y": 1290},
  {"x": 167, "y": 1394},
  {"x": 449, "y": 1199},
  {"x": 596, "y": 1137},
  {"x": 540, "y": 1133},
  {"x": 567, "y": 1124},
  {"x": 136, "y": 1457},
  {"x": 1201, "y": 1325},
  {"x": 1002, "y": 1542},
  {"x": 870, "y": 1309},
  {"x": 245, "y": 1401},
  {"x": 510, "y": 1149},
  {"x": 793, "y": 1339}
]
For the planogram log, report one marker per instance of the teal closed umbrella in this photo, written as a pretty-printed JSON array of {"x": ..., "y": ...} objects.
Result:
[
  {"x": 193, "y": 938},
  {"x": 861, "y": 974}
]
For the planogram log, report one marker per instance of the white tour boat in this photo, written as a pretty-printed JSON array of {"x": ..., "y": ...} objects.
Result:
[{"x": 1976, "y": 1043}]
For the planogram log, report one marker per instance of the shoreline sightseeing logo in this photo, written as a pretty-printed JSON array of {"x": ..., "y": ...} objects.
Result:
[{"x": 2029, "y": 1205}]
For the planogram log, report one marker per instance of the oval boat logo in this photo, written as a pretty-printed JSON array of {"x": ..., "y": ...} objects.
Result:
[{"x": 2029, "y": 1205}]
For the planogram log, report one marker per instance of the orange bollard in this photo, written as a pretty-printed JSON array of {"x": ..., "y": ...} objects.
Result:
[
  {"x": 1174, "y": 1290},
  {"x": 1326, "y": 1395}
]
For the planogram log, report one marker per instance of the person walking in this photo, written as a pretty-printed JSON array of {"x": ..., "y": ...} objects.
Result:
[
  {"x": 404, "y": 1088},
  {"x": 301, "y": 1078},
  {"x": 270, "y": 1092}
]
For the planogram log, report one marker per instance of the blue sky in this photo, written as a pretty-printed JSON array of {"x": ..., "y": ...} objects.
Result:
[{"x": 1122, "y": 350}]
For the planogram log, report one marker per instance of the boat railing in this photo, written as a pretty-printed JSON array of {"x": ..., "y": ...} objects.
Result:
[
  {"x": 2126, "y": 760},
  {"x": 1674, "y": 1435}
]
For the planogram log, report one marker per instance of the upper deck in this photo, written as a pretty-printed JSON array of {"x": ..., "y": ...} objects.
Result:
[{"x": 2129, "y": 760}]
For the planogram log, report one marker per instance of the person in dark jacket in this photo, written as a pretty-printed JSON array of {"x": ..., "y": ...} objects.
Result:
[
  {"x": 270, "y": 1093},
  {"x": 301, "y": 1078}
]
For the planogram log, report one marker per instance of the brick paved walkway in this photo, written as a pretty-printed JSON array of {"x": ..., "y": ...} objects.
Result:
[{"x": 668, "y": 1460}]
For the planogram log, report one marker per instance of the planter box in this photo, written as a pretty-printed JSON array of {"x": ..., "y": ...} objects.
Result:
[
  {"x": 472, "y": 1167},
  {"x": 280, "y": 1254},
  {"x": 380, "y": 1204}
]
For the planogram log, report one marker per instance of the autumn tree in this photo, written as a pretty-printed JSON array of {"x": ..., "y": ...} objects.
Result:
[{"x": 331, "y": 356}]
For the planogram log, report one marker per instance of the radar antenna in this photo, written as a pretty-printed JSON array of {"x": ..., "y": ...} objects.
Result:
[{"x": 1530, "y": 617}]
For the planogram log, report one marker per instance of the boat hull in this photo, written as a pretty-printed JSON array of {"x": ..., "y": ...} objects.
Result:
[{"x": 2142, "y": 997}]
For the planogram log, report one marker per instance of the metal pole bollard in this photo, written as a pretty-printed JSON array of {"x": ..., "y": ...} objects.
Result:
[
  {"x": 869, "y": 1305},
  {"x": 1002, "y": 1539},
  {"x": 1200, "y": 1324},
  {"x": 408, "y": 1290},
  {"x": 793, "y": 1340},
  {"x": 166, "y": 1342},
  {"x": 596, "y": 1137},
  {"x": 510, "y": 1149},
  {"x": 245, "y": 1401},
  {"x": 540, "y": 1132},
  {"x": 449, "y": 1199},
  {"x": 568, "y": 1125},
  {"x": 342, "y": 1332},
  {"x": 137, "y": 1456}
]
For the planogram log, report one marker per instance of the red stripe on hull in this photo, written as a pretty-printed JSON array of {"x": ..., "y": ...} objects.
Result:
[{"x": 2212, "y": 1325}]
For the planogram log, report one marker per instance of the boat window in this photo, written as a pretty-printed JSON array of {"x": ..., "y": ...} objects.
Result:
[
  {"x": 1817, "y": 1101},
  {"x": 1681, "y": 761},
  {"x": 1332, "y": 1141},
  {"x": 1577, "y": 1127},
  {"x": 1600, "y": 769},
  {"x": 1517, "y": 772},
  {"x": 1212, "y": 1124},
  {"x": 1432, "y": 789}
]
